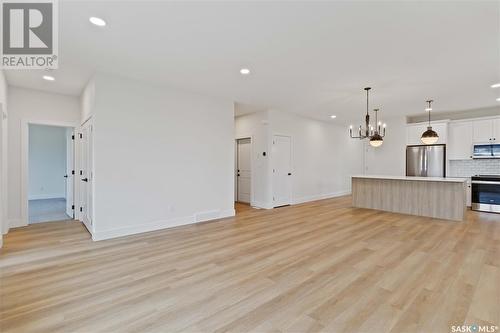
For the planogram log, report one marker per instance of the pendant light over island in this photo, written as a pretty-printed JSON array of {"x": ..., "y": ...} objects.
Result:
[{"x": 430, "y": 136}]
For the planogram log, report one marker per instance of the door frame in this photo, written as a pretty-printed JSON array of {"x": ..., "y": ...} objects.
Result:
[
  {"x": 236, "y": 169},
  {"x": 292, "y": 171},
  {"x": 70, "y": 151},
  {"x": 91, "y": 228},
  {"x": 25, "y": 161}
]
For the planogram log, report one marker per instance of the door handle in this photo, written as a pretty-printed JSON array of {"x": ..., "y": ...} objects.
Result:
[
  {"x": 238, "y": 175},
  {"x": 289, "y": 173},
  {"x": 85, "y": 180},
  {"x": 485, "y": 182},
  {"x": 65, "y": 176}
]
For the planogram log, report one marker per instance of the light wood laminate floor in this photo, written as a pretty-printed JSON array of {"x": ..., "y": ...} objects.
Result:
[{"x": 320, "y": 266}]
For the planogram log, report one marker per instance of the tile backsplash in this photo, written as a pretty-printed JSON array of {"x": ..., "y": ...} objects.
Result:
[{"x": 468, "y": 168}]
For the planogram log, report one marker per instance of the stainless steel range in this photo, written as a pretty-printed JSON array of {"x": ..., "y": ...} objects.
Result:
[{"x": 486, "y": 193}]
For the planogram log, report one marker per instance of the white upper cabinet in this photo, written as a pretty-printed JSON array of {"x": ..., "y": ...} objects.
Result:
[
  {"x": 496, "y": 130},
  {"x": 414, "y": 132},
  {"x": 459, "y": 141},
  {"x": 483, "y": 130}
]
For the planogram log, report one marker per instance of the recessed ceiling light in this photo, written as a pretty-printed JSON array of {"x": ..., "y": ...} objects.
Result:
[
  {"x": 244, "y": 71},
  {"x": 97, "y": 21},
  {"x": 333, "y": 116},
  {"x": 48, "y": 78},
  {"x": 496, "y": 85}
]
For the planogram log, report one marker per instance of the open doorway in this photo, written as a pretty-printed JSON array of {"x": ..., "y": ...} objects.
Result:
[
  {"x": 50, "y": 173},
  {"x": 243, "y": 181}
]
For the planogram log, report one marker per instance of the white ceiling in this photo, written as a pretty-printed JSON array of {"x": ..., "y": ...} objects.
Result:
[{"x": 312, "y": 58}]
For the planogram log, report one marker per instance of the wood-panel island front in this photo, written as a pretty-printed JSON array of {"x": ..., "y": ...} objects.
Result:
[{"x": 443, "y": 198}]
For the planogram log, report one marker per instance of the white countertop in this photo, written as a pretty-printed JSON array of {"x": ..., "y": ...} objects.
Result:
[{"x": 423, "y": 179}]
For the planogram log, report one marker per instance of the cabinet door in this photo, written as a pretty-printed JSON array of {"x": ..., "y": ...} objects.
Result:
[
  {"x": 496, "y": 130},
  {"x": 442, "y": 130},
  {"x": 413, "y": 134},
  {"x": 483, "y": 131},
  {"x": 460, "y": 141}
]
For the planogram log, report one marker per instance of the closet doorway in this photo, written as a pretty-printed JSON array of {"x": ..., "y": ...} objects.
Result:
[
  {"x": 51, "y": 172},
  {"x": 244, "y": 170}
]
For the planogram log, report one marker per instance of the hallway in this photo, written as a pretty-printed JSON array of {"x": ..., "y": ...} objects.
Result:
[{"x": 47, "y": 210}]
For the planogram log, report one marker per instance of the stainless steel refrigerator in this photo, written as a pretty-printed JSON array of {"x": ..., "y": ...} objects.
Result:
[{"x": 426, "y": 161}]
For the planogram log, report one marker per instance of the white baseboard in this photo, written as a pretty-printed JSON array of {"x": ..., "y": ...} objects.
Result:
[
  {"x": 5, "y": 228},
  {"x": 16, "y": 223},
  {"x": 213, "y": 215},
  {"x": 262, "y": 205},
  {"x": 162, "y": 224},
  {"x": 46, "y": 196},
  {"x": 320, "y": 197},
  {"x": 88, "y": 227}
]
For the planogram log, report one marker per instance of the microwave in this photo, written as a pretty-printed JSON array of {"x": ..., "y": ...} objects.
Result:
[{"x": 486, "y": 150}]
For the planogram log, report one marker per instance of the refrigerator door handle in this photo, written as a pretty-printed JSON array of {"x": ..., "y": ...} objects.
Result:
[
  {"x": 426, "y": 163},
  {"x": 423, "y": 158}
]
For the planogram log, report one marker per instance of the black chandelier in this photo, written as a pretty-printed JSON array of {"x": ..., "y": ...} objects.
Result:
[{"x": 374, "y": 133}]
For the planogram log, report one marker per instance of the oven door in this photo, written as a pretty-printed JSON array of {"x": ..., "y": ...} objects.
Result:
[{"x": 486, "y": 196}]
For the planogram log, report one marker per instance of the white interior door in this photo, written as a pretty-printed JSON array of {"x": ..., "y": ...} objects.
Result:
[
  {"x": 70, "y": 177},
  {"x": 244, "y": 171},
  {"x": 282, "y": 170},
  {"x": 86, "y": 174}
]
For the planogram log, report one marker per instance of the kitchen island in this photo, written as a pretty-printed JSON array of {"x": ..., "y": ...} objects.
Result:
[{"x": 443, "y": 198}]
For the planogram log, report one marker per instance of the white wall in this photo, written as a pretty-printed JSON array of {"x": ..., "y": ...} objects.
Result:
[
  {"x": 162, "y": 157},
  {"x": 3, "y": 156},
  {"x": 27, "y": 105},
  {"x": 256, "y": 126},
  {"x": 457, "y": 114},
  {"x": 323, "y": 155},
  {"x": 47, "y": 162},
  {"x": 88, "y": 101},
  {"x": 390, "y": 158}
]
